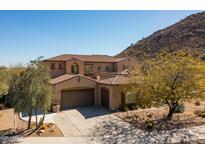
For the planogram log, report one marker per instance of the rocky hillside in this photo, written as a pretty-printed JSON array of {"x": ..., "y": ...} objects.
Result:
[{"x": 187, "y": 34}]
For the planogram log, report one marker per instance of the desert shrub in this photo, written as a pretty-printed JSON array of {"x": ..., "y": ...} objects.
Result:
[
  {"x": 197, "y": 103},
  {"x": 179, "y": 108},
  {"x": 144, "y": 105},
  {"x": 126, "y": 108},
  {"x": 130, "y": 106},
  {"x": 197, "y": 112},
  {"x": 149, "y": 125},
  {"x": 200, "y": 113},
  {"x": 43, "y": 126}
]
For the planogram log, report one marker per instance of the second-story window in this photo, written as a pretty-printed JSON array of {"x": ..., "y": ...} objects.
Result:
[
  {"x": 60, "y": 66},
  {"x": 107, "y": 68},
  {"x": 75, "y": 68},
  {"x": 88, "y": 69},
  {"x": 99, "y": 69},
  {"x": 52, "y": 66}
]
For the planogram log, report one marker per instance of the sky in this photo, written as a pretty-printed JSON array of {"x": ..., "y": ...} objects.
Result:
[{"x": 26, "y": 35}]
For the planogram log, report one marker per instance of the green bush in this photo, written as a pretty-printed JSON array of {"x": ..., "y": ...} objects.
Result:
[
  {"x": 130, "y": 106},
  {"x": 179, "y": 108},
  {"x": 126, "y": 108}
]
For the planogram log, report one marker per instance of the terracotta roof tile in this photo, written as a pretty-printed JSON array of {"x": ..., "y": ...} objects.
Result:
[
  {"x": 117, "y": 80},
  {"x": 62, "y": 78},
  {"x": 87, "y": 58},
  {"x": 66, "y": 77}
]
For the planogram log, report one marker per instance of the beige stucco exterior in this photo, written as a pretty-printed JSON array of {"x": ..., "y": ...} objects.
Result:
[
  {"x": 127, "y": 62},
  {"x": 56, "y": 71},
  {"x": 114, "y": 67},
  {"x": 115, "y": 92},
  {"x": 109, "y": 68},
  {"x": 73, "y": 84},
  {"x": 75, "y": 61}
]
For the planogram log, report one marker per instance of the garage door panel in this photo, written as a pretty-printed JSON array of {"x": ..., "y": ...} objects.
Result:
[{"x": 77, "y": 98}]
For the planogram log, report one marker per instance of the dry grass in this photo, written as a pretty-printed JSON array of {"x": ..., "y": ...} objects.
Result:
[{"x": 141, "y": 118}]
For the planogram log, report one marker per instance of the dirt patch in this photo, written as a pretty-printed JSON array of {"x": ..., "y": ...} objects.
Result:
[
  {"x": 154, "y": 118},
  {"x": 49, "y": 130},
  {"x": 7, "y": 119}
]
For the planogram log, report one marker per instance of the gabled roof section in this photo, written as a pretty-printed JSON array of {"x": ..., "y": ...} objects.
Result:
[
  {"x": 66, "y": 77},
  {"x": 85, "y": 58},
  {"x": 117, "y": 80}
]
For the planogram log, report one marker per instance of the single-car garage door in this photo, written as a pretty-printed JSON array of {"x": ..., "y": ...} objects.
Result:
[{"x": 76, "y": 98}]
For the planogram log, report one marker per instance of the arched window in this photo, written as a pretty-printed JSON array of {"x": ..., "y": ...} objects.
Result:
[{"x": 75, "y": 68}]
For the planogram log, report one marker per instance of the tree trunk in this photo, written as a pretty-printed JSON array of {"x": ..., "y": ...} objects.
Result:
[
  {"x": 171, "y": 112},
  {"x": 41, "y": 120},
  {"x": 36, "y": 118},
  {"x": 172, "y": 107},
  {"x": 29, "y": 121}
]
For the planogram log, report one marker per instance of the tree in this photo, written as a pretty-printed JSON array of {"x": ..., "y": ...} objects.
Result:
[
  {"x": 169, "y": 78},
  {"x": 6, "y": 76},
  {"x": 4, "y": 81},
  {"x": 31, "y": 91}
]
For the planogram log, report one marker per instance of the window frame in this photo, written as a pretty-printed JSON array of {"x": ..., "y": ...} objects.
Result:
[
  {"x": 91, "y": 71},
  {"x": 73, "y": 71}
]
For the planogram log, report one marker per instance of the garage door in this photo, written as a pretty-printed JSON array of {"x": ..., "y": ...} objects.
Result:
[{"x": 75, "y": 98}]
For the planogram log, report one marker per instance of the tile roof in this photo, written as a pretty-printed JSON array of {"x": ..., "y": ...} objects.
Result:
[
  {"x": 66, "y": 77},
  {"x": 117, "y": 80},
  {"x": 86, "y": 58},
  {"x": 125, "y": 72},
  {"x": 62, "y": 78}
]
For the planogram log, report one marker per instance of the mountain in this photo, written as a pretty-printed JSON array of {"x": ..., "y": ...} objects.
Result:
[{"x": 187, "y": 35}]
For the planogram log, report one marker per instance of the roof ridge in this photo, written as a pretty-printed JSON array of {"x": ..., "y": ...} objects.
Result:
[{"x": 114, "y": 79}]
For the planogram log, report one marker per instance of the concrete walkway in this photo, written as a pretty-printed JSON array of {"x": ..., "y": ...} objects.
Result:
[{"x": 48, "y": 117}]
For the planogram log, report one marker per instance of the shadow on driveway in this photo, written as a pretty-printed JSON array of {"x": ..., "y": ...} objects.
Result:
[{"x": 92, "y": 111}]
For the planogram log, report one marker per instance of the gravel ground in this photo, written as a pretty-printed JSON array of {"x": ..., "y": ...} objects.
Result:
[{"x": 116, "y": 131}]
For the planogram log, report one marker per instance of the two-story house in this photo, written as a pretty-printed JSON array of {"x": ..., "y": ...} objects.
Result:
[{"x": 81, "y": 80}]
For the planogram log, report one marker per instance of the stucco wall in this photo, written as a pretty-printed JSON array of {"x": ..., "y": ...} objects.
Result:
[
  {"x": 75, "y": 61},
  {"x": 75, "y": 83},
  {"x": 56, "y": 71},
  {"x": 114, "y": 95},
  {"x": 126, "y": 62},
  {"x": 7, "y": 119}
]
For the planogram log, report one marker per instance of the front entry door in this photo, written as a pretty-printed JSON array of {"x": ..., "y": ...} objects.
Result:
[{"x": 105, "y": 97}]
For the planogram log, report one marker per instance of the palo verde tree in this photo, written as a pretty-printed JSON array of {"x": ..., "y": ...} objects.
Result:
[
  {"x": 31, "y": 92},
  {"x": 169, "y": 78}
]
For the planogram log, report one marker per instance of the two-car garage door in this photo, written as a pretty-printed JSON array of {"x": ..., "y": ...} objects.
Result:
[{"x": 76, "y": 98}]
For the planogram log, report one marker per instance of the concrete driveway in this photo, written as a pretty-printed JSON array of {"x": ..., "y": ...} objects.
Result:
[{"x": 77, "y": 124}]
